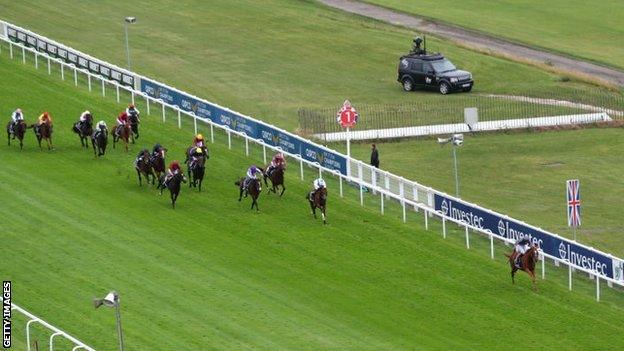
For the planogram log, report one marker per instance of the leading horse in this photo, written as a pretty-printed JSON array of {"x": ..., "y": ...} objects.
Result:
[
  {"x": 173, "y": 185},
  {"x": 254, "y": 188},
  {"x": 133, "y": 119},
  {"x": 197, "y": 168},
  {"x": 277, "y": 179},
  {"x": 527, "y": 263},
  {"x": 318, "y": 199},
  {"x": 99, "y": 139},
  {"x": 18, "y": 132}
]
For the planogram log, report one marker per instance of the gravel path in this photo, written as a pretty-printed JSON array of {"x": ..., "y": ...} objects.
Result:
[{"x": 480, "y": 41}]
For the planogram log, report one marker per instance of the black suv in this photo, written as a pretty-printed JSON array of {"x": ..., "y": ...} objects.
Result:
[{"x": 432, "y": 71}]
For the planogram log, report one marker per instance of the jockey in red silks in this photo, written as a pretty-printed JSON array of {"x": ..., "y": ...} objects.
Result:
[
  {"x": 278, "y": 160},
  {"x": 122, "y": 119},
  {"x": 174, "y": 168}
]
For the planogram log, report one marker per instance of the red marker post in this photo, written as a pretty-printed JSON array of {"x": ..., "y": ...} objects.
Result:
[{"x": 347, "y": 117}]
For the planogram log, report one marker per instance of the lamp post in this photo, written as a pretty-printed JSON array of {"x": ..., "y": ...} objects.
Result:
[
  {"x": 112, "y": 300},
  {"x": 456, "y": 140},
  {"x": 127, "y": 21}
]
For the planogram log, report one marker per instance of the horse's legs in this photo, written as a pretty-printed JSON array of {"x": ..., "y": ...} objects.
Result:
[
  {"x": 200, "y": 181},
  {"x": 139, "y": 174},
  {"x": 283, "y": 189},
  {"x": 323, "y": 215},
  {"x": 513, "y": 272},
  {"x": 240, "y": 195}
]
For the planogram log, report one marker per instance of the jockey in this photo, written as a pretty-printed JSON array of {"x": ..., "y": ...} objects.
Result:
[
  {"x": 133, "y": 111},
  {"x": 251, "y": 174},
  {"x": 174, "y": 168},
  {"x": 84, "y": 116},
  {"x": 122, "y": 119},
  {"x": 195, "y": 154},
  {"x": 521, "y": 246},
  {"x": 16, "y": 117},
  {"x": 157, "y": 149},
  {"x": 278, "y": 160},
  {"x": 319, "y": 183},
  {"x": 100, "y": 126},
  {"x": 141, "y": 156},
  {"x": 44, "y": 118}
]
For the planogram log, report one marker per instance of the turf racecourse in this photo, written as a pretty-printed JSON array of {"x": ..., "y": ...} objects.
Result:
[{"x": 213, "y": 275}]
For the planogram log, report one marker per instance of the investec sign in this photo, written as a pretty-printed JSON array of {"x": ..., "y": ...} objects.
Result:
[{"x": 508, "y": 228}]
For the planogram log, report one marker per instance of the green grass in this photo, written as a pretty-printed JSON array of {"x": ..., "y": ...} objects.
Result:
[
  {"x": 587, "y": 29},
  {"x": 213, "y": 275},
  {"x": 267, "y": 58},
  {"x": 523, "y": 175}
]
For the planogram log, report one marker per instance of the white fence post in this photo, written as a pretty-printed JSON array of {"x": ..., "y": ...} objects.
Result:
[
  {"x": 49, "y": 67},
  {"x": 339, "y": 177},
  {"x": 89, "y": 80},
  {"x": 569, "y": 276},
  {"x": 211, "y": 133},
  {"x": 52, "y": 340},
  {"x": 23, "y": 55},
  {"x": 361, "y": 195},
  {"x": 264, "y": 153},
  {"x": 62, "y": 71},
  {"x": 301, "y": 167},
  {"x": 163, "y": 111},
  {"x": 492, "y": 246},
  {"x": 246, "y": 146},
  {"x": 426, "y": 220},
  {"x": 117, "y": 91},
  {"x": 543, "y": 266},
  {"x": 180, "y": 120},
  {"x": 11, "y": 50},
  {"x": 382, "y": 202},
  {"x": 467, "y": 238},
  {"x": 75, "y": 76},
  {"x": 443, "y": 227},
  {"x": 195, "y": 123},
  {"x": 597, "y": 288},
  {"x": 132, "y": 96},
  {"x": 229, "y": 139},
  {"x": 404, "y": 214},
  {"x": 28, "y": 333},
  {"x": 320, "y": 169},
  {"x": 103, "y": 88},
  {"x": 36, "y": 60}
]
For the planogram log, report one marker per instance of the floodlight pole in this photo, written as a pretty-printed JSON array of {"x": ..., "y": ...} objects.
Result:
[
  {"x": 348, "y": 152},
  {"x": 119, "y": 332},
  {"x": 128, "y": 20},
  {"x": 455, "y": 167}
]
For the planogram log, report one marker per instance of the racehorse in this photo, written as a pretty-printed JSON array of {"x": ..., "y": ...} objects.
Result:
[
  {"x": 527, "y": 263},
  {"x": 318, "y": 199},
  {"x": 143, "y": 166},
  {"x": 18, "y": 131},
  {"x": 43, "y": 131},
  {"x": 173, "y": 185},
  {"x": 277, "y": 179},
  {"x": 158, "y": 162},
  {"x": 134, "y": 126},
  {"x": 99, "y": 139},
  {"x": 121, "y": 131},
  {"x": 197, "y": 168},
  {"x": 253, "y": 189},
  {"x": 84, "y": 130}
]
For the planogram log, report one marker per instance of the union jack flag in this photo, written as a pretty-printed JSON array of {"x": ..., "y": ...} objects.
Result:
[{"x": 574, "y": 203}]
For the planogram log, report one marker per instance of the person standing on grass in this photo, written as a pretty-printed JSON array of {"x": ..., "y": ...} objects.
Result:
[{"x": 374, "y": 157}]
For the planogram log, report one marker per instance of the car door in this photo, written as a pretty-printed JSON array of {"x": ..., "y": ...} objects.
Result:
[
  {"x": 428, "y": 74},
  {"x": 418, "y": 73}
]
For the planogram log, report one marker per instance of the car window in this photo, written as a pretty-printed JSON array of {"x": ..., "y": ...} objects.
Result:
[
  {"x": 427, "y": 67},
  {"x": 443, "y": 66},
  {"x": 417, "y": 66}
]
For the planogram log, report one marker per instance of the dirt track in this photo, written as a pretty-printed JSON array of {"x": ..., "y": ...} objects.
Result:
[{"x": 480, "y": 41}]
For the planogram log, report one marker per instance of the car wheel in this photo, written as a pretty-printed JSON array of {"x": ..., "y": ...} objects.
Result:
[
  {"x": 467, "y": 89},
  {"x": 408, "y": 84},
  {"x": 444, "y": 88}
]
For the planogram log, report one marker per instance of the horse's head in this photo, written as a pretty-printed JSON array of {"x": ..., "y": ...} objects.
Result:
[
  {"x": 322, "y": 194},
  {"x": 534, "y": 252}
]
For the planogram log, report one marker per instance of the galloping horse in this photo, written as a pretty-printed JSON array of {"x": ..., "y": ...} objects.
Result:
[
  {"x": 277, "y": 179},
  {"x": 99, "y": 139},
  {"x": 527, "y": 263},
  {"x": 143, "y": 166},
  {"x": 122, "y": 132},
  {"x": 253, "y": 189},
  {"x": 158, "y": 162},
  {"x": 84, "y": 130},
  {"x": 133, "y": 119},
  {"x": 318, "y": 199},
  {"x": 197, "y": 168},
  {"x": 173, "y": 185},
  {"x": 43, "y": 131},
  {"x": 18, "y": 131}
]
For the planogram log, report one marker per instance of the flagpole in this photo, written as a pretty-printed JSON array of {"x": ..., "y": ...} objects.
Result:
[{"x": 348, "y": 152}]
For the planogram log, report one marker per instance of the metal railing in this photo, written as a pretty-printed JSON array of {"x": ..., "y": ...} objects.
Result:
[{"x": 410, "y": 195}]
